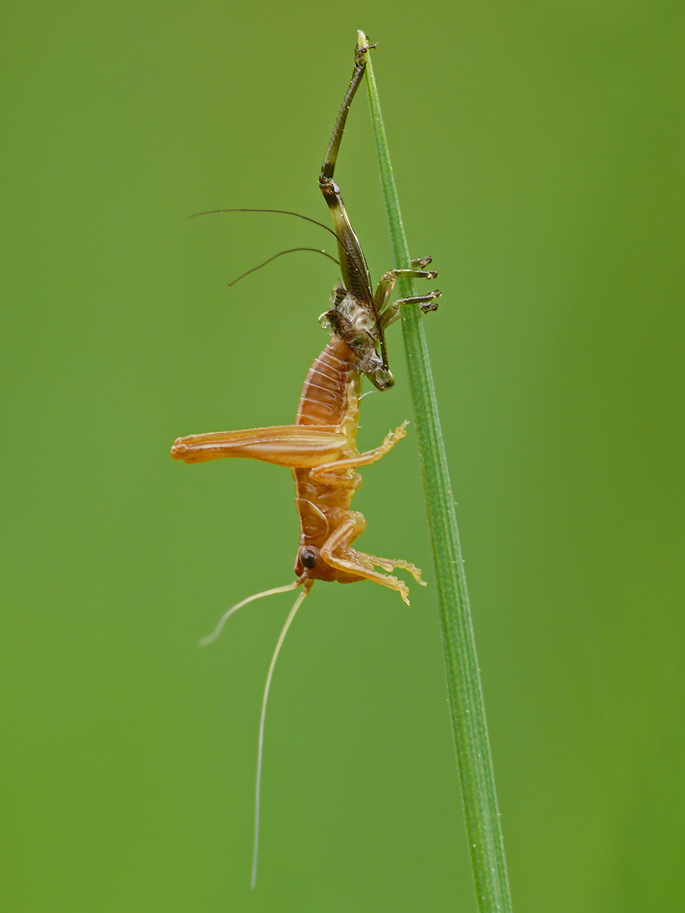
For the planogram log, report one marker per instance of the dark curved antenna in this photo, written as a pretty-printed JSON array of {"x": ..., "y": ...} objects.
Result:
[
  {"x": 283, "y": 212},
  {"x": 286, "y": 212},
  {"x": 341, "y": 241},
  {"x": 292, "y": 250}
]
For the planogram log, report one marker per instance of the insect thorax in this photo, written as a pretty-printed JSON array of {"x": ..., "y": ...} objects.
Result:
[{"x": 356, "y": 323}]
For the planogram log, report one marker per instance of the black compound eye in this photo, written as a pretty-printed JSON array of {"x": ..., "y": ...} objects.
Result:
[{"x": 309, "y": 557}]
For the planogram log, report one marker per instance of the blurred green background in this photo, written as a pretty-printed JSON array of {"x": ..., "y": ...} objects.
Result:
[{"x": 538, "y": 154}]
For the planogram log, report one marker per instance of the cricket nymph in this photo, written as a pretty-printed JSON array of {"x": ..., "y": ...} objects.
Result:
[
  {"x": 323, "y": 494},
  {"x": 321, "y": 450}
]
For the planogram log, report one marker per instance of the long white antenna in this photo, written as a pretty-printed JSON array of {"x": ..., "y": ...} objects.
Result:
[
  {"x": 224, "y": 618},
  {"x": 260, "y": 750}
]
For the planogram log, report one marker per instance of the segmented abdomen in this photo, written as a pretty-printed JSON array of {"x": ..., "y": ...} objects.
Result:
[{"x": 327, "y": 395}]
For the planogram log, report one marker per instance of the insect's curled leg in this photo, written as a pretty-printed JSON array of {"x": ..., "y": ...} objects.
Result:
[
  {"x": 327, "y": 470},
  {"x": 333, "y": 478},
  {"x": 337, "y": 553}
]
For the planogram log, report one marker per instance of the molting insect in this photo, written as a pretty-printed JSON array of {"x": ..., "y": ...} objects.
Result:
[{"x": 320, "y": 448}]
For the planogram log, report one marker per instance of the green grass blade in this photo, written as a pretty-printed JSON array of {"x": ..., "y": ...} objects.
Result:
[{"x": 464, "y": 690}]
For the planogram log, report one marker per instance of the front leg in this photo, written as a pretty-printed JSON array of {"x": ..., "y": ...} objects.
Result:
[
  {"x": 390, "y": 313},
  {"x": 338, "y": 554},
  {"x": 425, "y": 302}
]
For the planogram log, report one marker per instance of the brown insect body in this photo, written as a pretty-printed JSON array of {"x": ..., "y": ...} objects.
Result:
[
  {"x": 330, "y": 398},
  {"x": 321, "y": 450}
]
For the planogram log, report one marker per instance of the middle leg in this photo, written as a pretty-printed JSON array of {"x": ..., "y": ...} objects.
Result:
[{"x": 327, "y": 471}]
